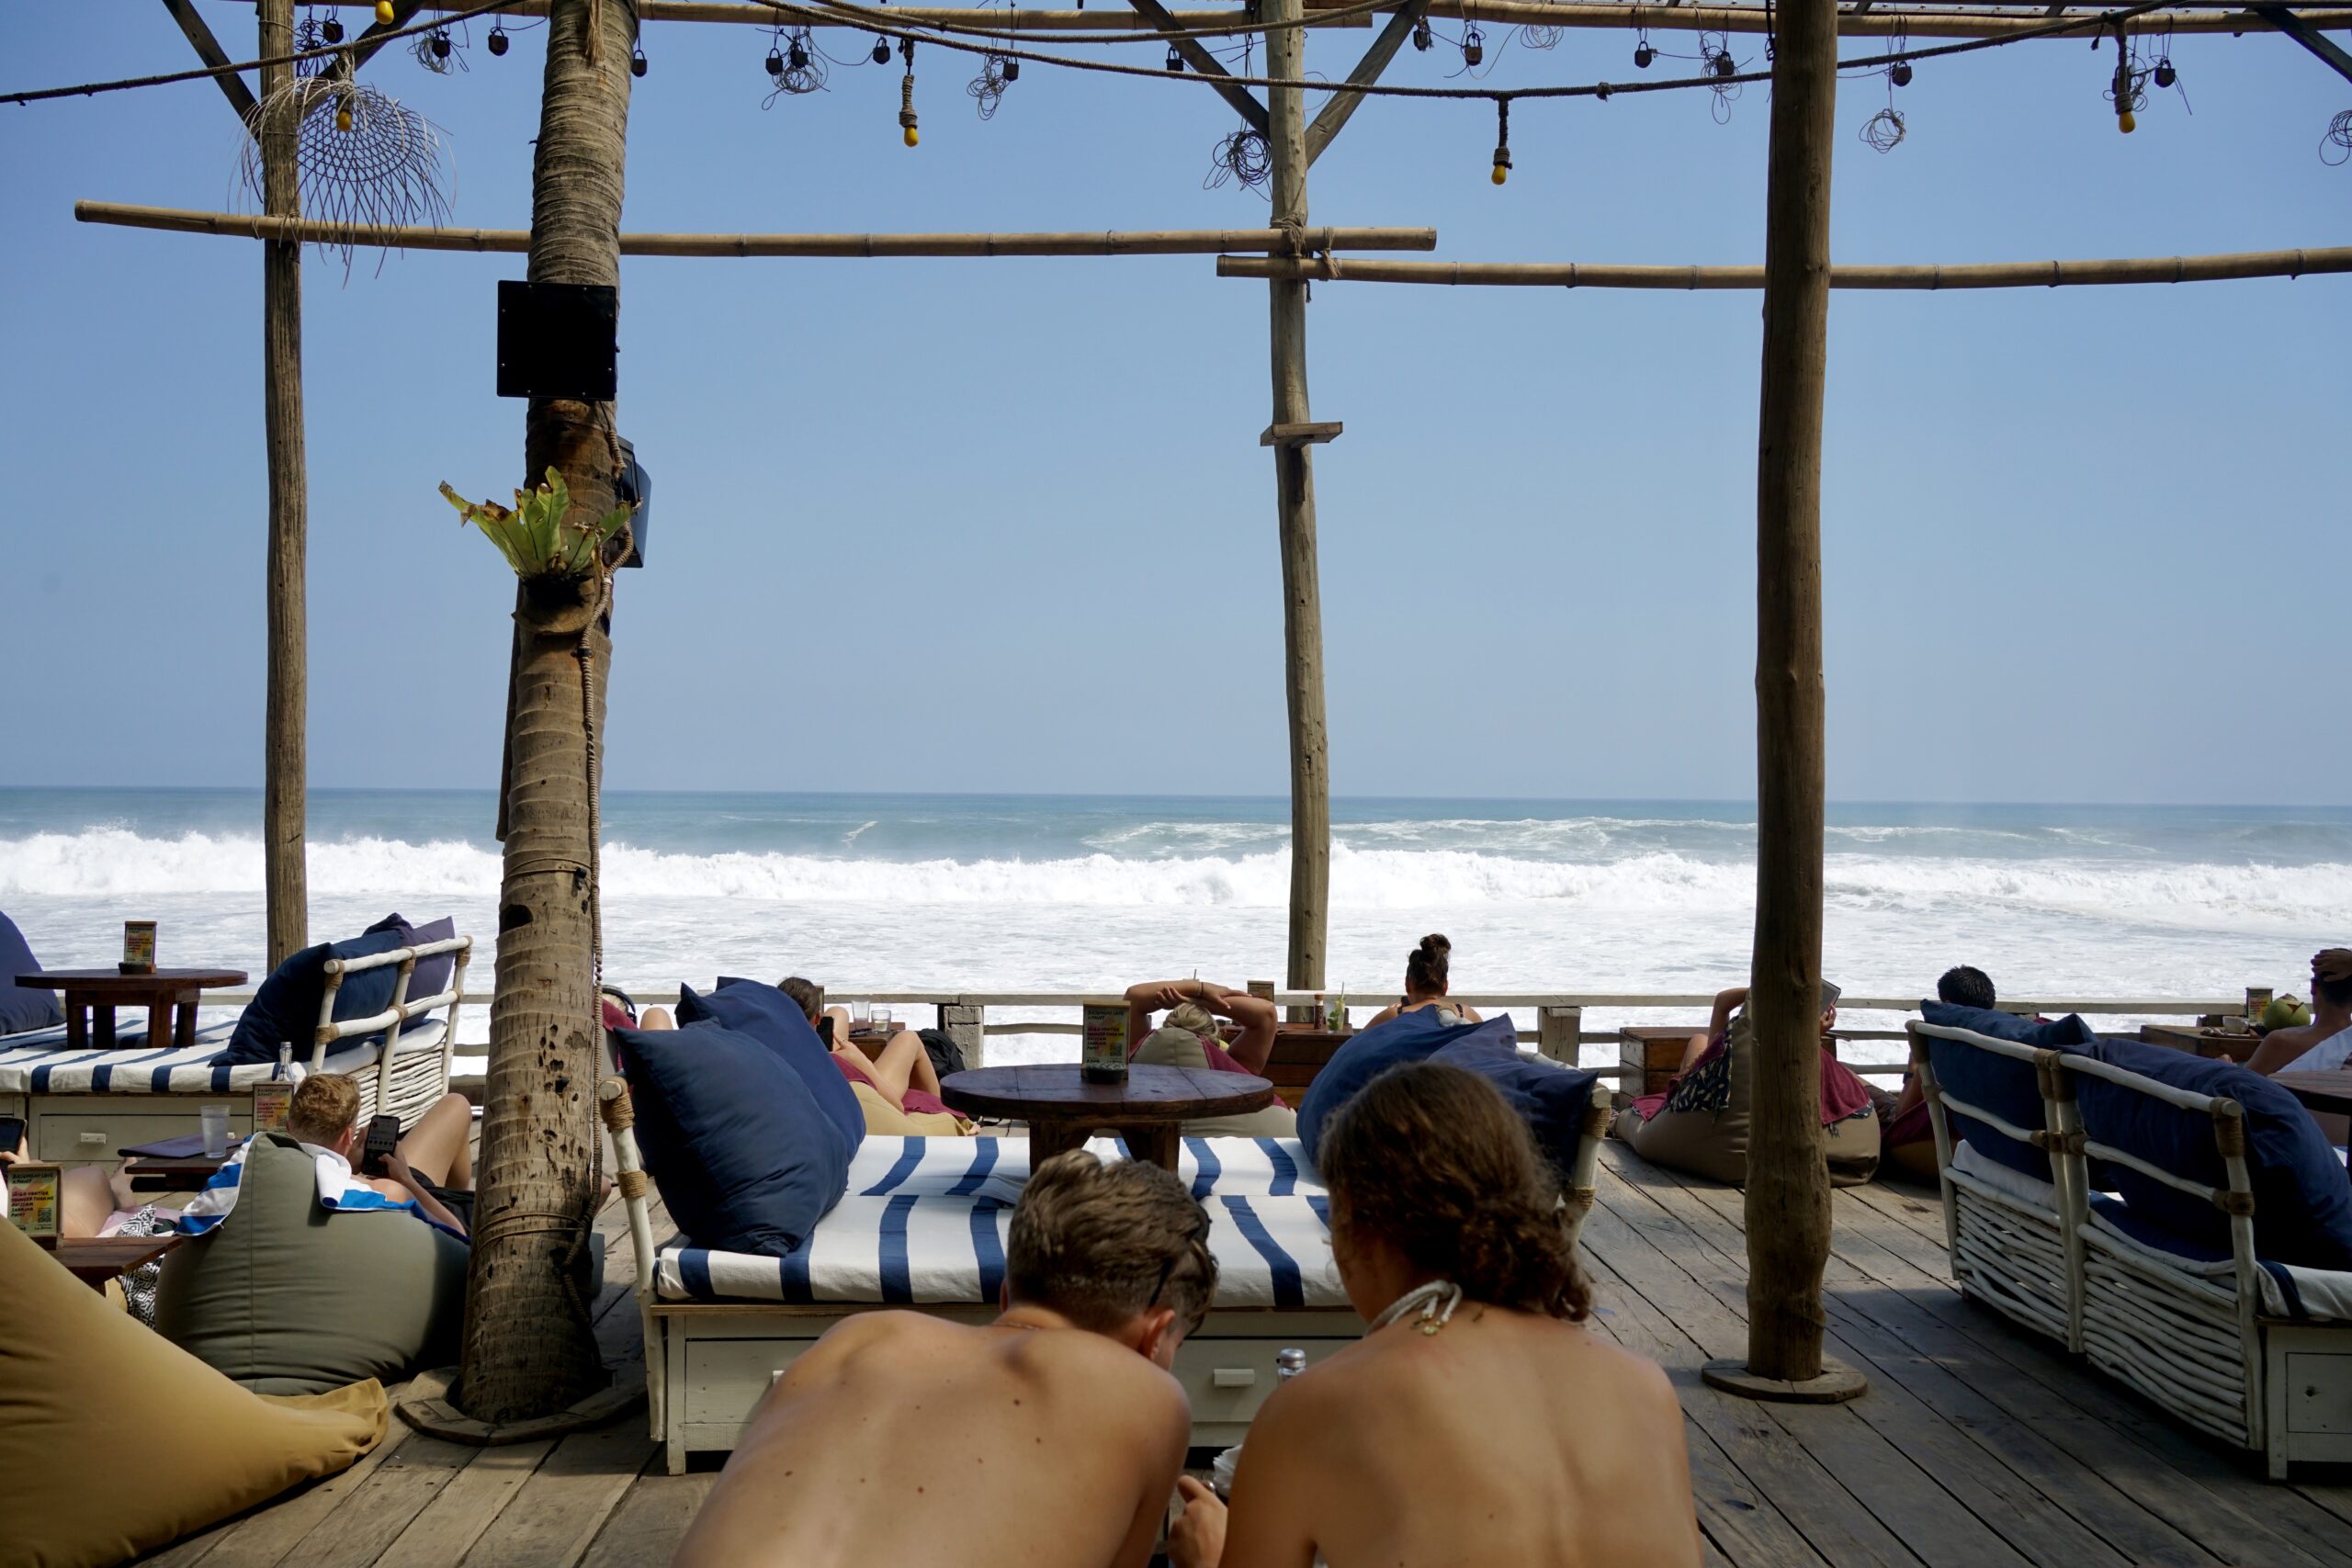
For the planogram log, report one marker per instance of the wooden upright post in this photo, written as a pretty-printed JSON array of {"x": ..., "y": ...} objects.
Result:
[
  {"x": 284, "y": 760},
  {"x": 1788, "y": 1180},
  {"x": 1310, "y": 781}
]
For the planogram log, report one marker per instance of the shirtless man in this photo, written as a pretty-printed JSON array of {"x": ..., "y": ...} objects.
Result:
[
  {"x": 2326, "y": 1040},
  {"x": 1476, "y": 1423},
  {"x": 1050, "y": 1438}
]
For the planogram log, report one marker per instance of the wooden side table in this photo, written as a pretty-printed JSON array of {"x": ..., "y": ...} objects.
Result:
[
  {"x": 1063, "y": 1109},
  {"x": 96, "y": 1260},
  {"x": 170, "y": 996}
]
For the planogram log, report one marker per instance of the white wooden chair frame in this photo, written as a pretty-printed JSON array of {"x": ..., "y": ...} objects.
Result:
[
  {"x": 707, "y": 1364},
  {"x": 2023, "y": 1261},
  {"x": 379, "y": 1092}
]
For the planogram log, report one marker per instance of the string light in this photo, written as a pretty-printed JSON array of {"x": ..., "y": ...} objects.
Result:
[
  {"x": 1474, "y": 46},
  {"x": 1175, "y": 61},
  {"x": 1643, "y": 55},
  {"x": 384, "y": 12},
  {"x": 2124, "y": 89},
  {"x": 1901, "y": 74},
  {"x": 907, "y": 94},
  {"x": 498, "y": 39},
  {"x": 799, "y": 56},
  {"x": 2165, "y": 74},
  {"x": 441, "y": 44},
  {"x": 331, "y": 29},
  {"x": 1421, "y": 38},
  {"x": 881, "y": 52},
  {"x": 1012, "y": 72},
  {"x": 774, "y": 61},
  {"x": 1502, "y": 141},
  {"x": 637, "y": 66}
]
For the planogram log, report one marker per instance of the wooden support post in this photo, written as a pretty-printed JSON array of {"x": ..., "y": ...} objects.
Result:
[
  {"x": 1788, "y": 1178},
  {"x": 967, "y": 1024},
  {"x": 1196, "y": 53},
  {"x": 1557, "y": 1032},
  {"x": 207, "y": 49},
  {"x": 1335, "y": 113},
  {"x": 1310, "y": 784},
  {"x": 284, "y": 747}
]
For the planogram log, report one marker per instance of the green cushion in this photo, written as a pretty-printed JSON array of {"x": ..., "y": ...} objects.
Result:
[
  {"x": 287, "y": 1297},
  {"x": 1171, "y": 1047}
]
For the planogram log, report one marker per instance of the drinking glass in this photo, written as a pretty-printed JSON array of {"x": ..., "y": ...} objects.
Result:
[
  {"x": 859, "y": 1012},
  {"x": 215, "y": 1118},
  {"x": 882, "y": 1020}
]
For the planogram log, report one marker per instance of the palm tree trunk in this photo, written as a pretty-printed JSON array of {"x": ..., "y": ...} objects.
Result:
[{"x": 530, "y": 1348}]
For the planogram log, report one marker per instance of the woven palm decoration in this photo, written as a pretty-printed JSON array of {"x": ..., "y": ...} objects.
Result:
[{"x": 362, "y": 158}]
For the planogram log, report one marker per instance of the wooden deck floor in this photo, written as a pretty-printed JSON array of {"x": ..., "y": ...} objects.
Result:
[{"x": 1977, "y": 1446}]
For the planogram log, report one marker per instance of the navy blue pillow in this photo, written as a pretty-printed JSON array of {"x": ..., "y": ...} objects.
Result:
[
  {"x": 22, "y": 1008},
  {"x": 1550, "y": 1098},
  {"x": 766, "y": 1014},
  {"x": 432, "y": 975},
  {"x": 1998, "y": 1085},
  {"x": 284, "y": 1008},
  {"x": 1409, "y": 1037},
  {"x": 2303, "y": 1201},
  {"x": 745, "y": 1160}
]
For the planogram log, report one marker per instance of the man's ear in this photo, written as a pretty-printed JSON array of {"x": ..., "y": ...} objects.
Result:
[
  {"x": 1156, "y": 1336},
  {"x": 1005, "y": 1295}
]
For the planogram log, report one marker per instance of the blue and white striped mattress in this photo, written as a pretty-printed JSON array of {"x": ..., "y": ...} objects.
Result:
[
  {"x": 38, "y": 1062},
  {"x": 924, "y": 1223}
]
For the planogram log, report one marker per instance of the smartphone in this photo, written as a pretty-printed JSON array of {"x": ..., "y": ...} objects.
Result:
[
  {"x": 383, "y": 1137},
  {"x": 12, "y": 1135}
]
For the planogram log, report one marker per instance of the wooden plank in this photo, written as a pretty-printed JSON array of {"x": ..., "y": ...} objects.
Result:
[
  {"x": 561, "y": 1507},
  {"x": 353, "y": 1535},
  {"x": 1335, "y": 114},
  {"x": 448, "y": 1526},
  {"x": 651, "y": 1521},
  {"x": 262, "y": 1538},
  {"x": 1195, "y": 54},
  {"x": 207, "y": 49},
  {"x": 1315, "y": 432}
]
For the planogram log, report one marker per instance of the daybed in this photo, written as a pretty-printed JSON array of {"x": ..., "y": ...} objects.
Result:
[
  {"x": 81, "y": 1106},
  {"x": 922, "y": 1227},
  {"x": 2215, "y": 1278}
]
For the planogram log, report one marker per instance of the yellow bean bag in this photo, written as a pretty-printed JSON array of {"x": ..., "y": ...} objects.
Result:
[
  {"x": 114, "y": 1441},
  {"x": 890, "y": 1122}
]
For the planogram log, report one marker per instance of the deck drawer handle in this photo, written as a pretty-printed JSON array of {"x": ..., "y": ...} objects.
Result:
[
  {"x": 89, "y": 1140},
  {"x": 1233, "y": 1377}
]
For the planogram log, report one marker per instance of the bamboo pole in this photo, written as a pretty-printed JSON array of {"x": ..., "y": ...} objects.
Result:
[
  {"x": 1149, "y": 242},
  {"x": 1972, "y": 275},
  {"x": 1310, "y": 784},
  {"x": 285, "y": 752},
  {"x": 1755, "y": 18},
  {"x": 1787, "y": 1214}
]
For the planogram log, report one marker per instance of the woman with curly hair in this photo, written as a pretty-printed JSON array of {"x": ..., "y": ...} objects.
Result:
[{"x": 1477, "y": 1421}]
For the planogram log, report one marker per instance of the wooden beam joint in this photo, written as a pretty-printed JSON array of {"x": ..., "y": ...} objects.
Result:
[
  {"x": 1311, "y": 433},
  {"x": 1196, "y": 55}
]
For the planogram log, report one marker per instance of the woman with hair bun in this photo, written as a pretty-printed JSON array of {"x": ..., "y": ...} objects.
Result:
[
  {"x": 1476, "y": 1421},
  {"x": 1425, "y": 986}
]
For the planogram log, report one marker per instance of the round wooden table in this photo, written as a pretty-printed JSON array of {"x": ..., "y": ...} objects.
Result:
[
  {"x": 92, "y": 995},
  {"x": 1063, "y": 1109}
]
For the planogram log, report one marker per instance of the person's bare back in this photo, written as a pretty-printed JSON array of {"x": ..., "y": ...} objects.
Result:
[{"x": 1505, "y": 1437}]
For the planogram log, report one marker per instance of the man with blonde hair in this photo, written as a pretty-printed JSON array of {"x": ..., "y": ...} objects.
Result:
[
  {"x": 1049, "y": 1438},
  {"x": 433, "y": 1160}
]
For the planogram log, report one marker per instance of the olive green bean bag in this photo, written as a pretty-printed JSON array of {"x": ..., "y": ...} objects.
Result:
[
  {"x": 112, "y": 1442},
  {"x": 288, "y": 1297},
  {"x": 1167, "y": 1046}
]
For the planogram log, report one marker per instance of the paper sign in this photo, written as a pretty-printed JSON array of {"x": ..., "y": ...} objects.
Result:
[
  {"x": 1104, "y": 1053},
  {"x": 272, "y": 1098},
  {"x": 138, "y": 947},
  {"x": 33, "y": 1200}
]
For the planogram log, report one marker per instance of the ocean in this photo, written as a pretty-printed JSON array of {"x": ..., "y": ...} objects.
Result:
[{"x": 1069, "y": 892}]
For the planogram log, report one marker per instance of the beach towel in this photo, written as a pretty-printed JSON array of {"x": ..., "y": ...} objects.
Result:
[
  {"x": 2328, "y": 1056},
  {"x": 339, "y": 1191}
]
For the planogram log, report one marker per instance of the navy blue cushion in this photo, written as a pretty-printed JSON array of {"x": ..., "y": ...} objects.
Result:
[
  {"x": 1409, "y": 1037},
  {"x": 1995, "y": 1083},
  {"x": 766, "y": 1014},
  {"x": 1549, "y": 1097},
  {"x": 284, "y": 1008},
  {"x": 432, "y": 975},
  {"x": 745, "y": 1160},
  {"x": 2303, "y": 1201},
  {"x": 22, "y": 1008}
]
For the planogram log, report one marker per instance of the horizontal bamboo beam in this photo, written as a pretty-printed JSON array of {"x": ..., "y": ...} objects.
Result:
[
  {"x": 1982, "y": 275},
  {"x": 1160, "y": 242},
  {"x": 1753, "y": 19}
]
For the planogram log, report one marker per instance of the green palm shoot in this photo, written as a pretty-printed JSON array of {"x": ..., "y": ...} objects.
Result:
[{"x": 538, "y": 535}]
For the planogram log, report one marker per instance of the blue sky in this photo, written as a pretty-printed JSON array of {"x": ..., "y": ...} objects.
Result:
[{"x": 1004, "y": 525}]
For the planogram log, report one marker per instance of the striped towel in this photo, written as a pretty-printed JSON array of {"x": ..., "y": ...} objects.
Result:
[
  {"x": 925, "y": 1220},
  {"x": 338, "y": 1191},
  {"x": 39, "y": 1062}
]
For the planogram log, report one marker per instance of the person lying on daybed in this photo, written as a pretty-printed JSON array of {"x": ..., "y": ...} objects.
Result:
[
  {"x": 1699, "y": 1124},
  {"x": 1193, "y": 1036},
  {"x": 897, "y": 1086},
  {"x": 1049, "y": 1438},
  {"x": 1426, "y": 984},
  {"x": 1477, "y": 1422}
]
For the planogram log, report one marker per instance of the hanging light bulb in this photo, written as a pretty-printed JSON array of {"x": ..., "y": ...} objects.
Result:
[
  {"x": 384, "y": 12},
  {"x": 1474, "y": 46},
  {"x": 799, "y": 56},
  {"x": 1725, "y": 65},
  {"x": 331, "y": 29},
  {"x": 775, "y": 62},
  {"x": 342, "y": 117},
  {"x": 881, "y": 52},
  {"x": 637, "y": 61},
  {"x": 441, "y": 46},
  {"x": 1422, "y": 35},
  {"x": 907, "y": 95},
  {"x": 1643, "y": 55},
  {"x": 1012, "y": 72},
  {"x": 1175, "y": 61},
  {"x": 2165, "y": 74},
  {"x": 1502, "y": 141},
  {"x": 498, "y": 38},
  {"x": 1901, "y": 74}
]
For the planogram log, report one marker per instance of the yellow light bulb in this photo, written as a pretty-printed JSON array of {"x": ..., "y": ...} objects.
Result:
[
  {"x": 2125, "y": 123},
  {"x": 343, "y": 119},
  {"x": 384, "y": 12},
  {"x": 1501, "y": 173},
  {"x": 911, "y": 137}
]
